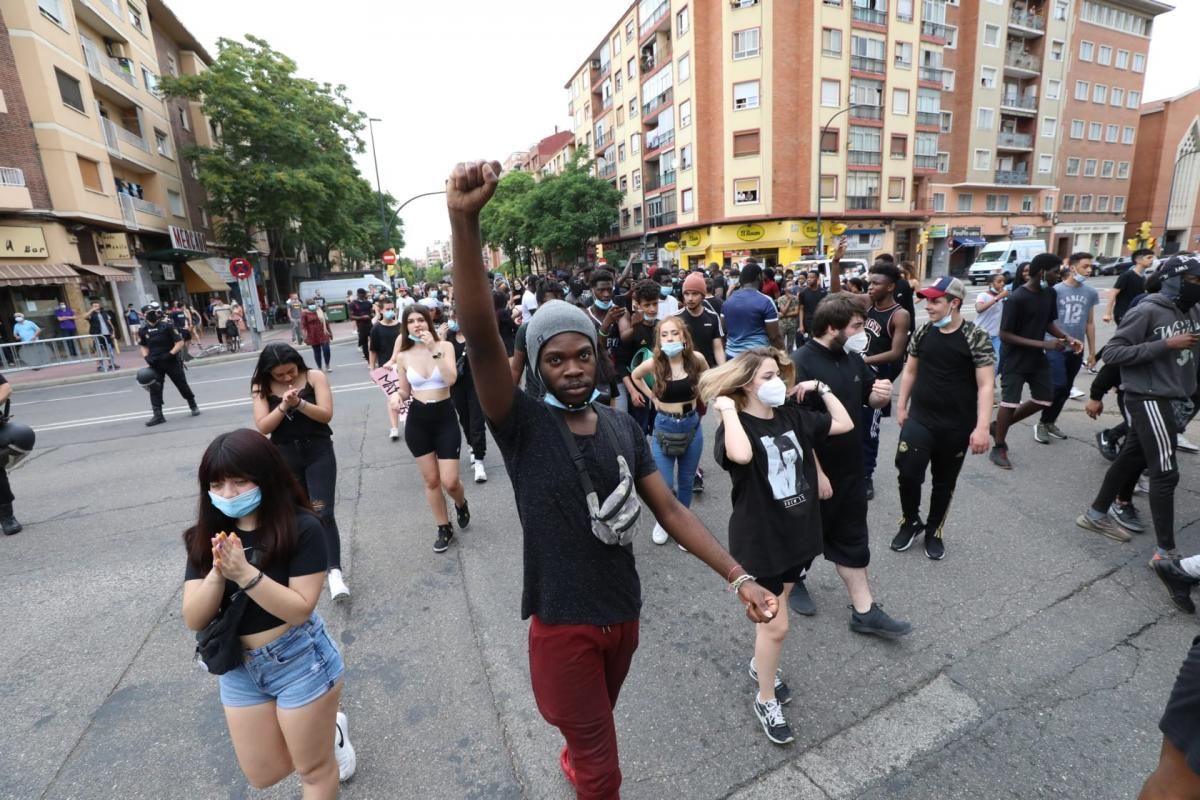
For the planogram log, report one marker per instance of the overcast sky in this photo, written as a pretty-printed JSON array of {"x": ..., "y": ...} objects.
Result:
[{"x": 460, "y": 79}]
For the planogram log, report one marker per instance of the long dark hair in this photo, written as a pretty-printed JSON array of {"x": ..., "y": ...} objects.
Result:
[
  {"x": 415, "y": 308},
  {"x": 247, "y": 454},
  {"x": 274, "y": 355}
]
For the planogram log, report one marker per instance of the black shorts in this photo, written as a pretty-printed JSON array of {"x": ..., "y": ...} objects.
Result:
[
  {"x": 1041, "y": 387},
  {"x": 1180, "y": 722},
  {"x": 844, "y": 523},
  {"x": 433, "y": 428},
  {"x": 774, "y": 583}
]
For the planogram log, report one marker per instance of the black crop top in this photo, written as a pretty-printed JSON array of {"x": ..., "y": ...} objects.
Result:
[
  {"x": 308, "y": 557},
  {"x": 297, "y": 425},
  {"x": 678, "y": 391}
]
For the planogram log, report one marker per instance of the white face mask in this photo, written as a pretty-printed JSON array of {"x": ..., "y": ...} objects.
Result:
[
  {"x": 857, "y": 343},
  {"x": 773, "y": 392}
]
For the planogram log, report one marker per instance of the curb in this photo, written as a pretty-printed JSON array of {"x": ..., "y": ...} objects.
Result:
[{"x": 208, "y": 361}]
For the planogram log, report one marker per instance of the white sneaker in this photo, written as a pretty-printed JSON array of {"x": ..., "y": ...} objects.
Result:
[
  {"x": 472, "y": 452},
  {"x": 394, "y": 434},
  {"x": 660, "y": 534},
  {"x": 1184, "y": 445},
  {"x": 480, "y": 472},
  {"x": 1075, "y": 393},
  {"x": 338, "y": 590},
  {"x": 343, "y": 751}
]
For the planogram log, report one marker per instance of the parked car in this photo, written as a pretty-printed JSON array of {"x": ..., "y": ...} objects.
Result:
[
  {"x": 851, "y": 268},
  {"x": 1003, "y": 256}
]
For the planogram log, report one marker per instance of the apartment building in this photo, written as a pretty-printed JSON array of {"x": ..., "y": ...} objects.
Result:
[
  {"x": 549, "y": 156},
  {"x": 110, "y": 218},
  {"x": 1164, "y": 187},
  {"x": 731, "y": 126},
  {"x": 1105, "y": 74}
]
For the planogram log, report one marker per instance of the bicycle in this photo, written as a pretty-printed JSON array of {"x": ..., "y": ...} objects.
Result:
[{"x": 233, "y": 339}]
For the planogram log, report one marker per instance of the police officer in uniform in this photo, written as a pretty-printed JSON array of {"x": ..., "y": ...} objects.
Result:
[{"x": 161, "y": 344}]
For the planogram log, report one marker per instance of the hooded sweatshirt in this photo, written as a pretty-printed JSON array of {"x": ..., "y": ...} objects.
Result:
[{"x": 1139, "y": 348}]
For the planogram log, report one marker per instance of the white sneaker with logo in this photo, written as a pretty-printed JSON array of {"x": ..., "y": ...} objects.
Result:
[
  {"x": 338, "y": 590},
  {"x": 343, "y": 751}
]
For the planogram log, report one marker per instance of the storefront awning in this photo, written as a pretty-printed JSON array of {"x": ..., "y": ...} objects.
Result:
[
  {"x": 123, "y": 263},
  {"x": 199, "y": 277},
  {"x": 107, "y": 273},
  {"x": 36, "y": 274},
  {"x": 970, "y": 241}
]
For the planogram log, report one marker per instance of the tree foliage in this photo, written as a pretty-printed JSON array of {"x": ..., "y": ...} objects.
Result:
[
  {"x": 282, "y": 160},
  {"x": 557, "y": 215}
]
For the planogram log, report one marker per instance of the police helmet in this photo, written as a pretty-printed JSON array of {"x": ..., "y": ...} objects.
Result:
[
  {"x": 147, "y": 378},
  {"x": 16, "y": 441}
]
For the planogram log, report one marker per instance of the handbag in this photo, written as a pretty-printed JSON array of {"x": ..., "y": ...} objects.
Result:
[
  {"x": 218, "y": 648},
  {"x": 613, "y": 520},
  {"x": 674, "y": 443}
]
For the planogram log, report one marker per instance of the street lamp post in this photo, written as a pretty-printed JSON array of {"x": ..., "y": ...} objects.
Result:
[
  {"x": 1171, "y": 194},
  {"x": 820, "y": 157},
  {"x": 379, "y": 186}
]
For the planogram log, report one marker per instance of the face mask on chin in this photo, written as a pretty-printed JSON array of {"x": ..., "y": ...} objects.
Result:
[{"x": 552, "y": 401}]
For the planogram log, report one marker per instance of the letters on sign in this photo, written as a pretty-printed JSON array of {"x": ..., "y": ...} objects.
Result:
[
  {"x": 751, "y": 233},
  {"x": 184, "y": 239},
  {"x": 22, "y": 243},
  {"x": 387, "y": 380},
  {"x": 113, "y": 246}
]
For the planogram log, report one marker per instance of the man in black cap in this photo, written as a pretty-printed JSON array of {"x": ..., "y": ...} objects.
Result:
[
  {"x": 161, "y": 344},
  {"x": 362, "y": 312}
]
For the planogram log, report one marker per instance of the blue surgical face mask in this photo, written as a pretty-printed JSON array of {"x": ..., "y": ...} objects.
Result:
[
  {"x": 389, "y": 315},
  {"x": 672, "y": 349},
  {"x": 665, "y": 291},
  {"x": 603, "y": 305},
  {"x": 416, "y": 339},
  {"x": 943, "y": 322},
  {"x": 312, "y": 306},
  {"x": 550, "y": 400},
  {"x": 237, "y": 507},
  {"x": 454, "y": 325},
  {"x": 1081, "y": 278}
]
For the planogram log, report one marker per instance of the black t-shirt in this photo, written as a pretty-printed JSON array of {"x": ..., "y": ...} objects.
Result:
[
  {"x": 715, "y": 303},
  {"x": 646, "y": 331},
  {"x": 158, "y": 339},
  {"x": 704, "y": 329},
  {"x": 944, "y": 393},
  {"x": 850, "y": 379},
  {"x": 1026, "y": 313},
  {"x": 308, "y": 557},
  {"x": 362, "y": 307},
  {"x": 904, "y": 296},
  {"x": 776, "y": 521},
  {"x": 571, "y": 577},
  {"x": 382, "y": 341},
  {"x": 1130, "y": 285},
  {"x": 810, "y": 298}
]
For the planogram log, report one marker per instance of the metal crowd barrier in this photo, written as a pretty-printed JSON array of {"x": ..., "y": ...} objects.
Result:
[{"x": 42, "y": 353}]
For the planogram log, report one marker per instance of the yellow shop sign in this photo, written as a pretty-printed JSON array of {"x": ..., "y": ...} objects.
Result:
[
  {"x": 691, "y": 239},
  {"x": 751, "y": 233}
]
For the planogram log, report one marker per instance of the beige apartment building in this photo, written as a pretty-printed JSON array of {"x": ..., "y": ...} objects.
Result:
[
  {"x": 107, "y": 213},
  {"x": 731, "y": 125}
]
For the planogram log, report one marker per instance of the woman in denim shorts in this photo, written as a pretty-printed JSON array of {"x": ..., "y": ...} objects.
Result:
[{"x": 257, "y": 534}]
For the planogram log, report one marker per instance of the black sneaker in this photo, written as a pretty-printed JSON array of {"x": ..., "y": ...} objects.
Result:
[
  {"x": 935, "y": 548},
  {"x": 444, "y": 535},
  {"x": 782, "y": 693},
  {"x": 1053, "y": 430},
  {"x": 1107, "y": 449},
  {"x": 908, "y": 531},
  {"x": 999, "y": 457},
  {"x": 464, "y": 516},
  {"x": 1179, "y": 584},
  {"x": 770, "y": 716},
  {"x": 877, "y": 622},
  {"x": 698, "y": 483},
  {"x": 1127, "y": 516},
  {"x": 800, "y": 601},
  {"x": 870, "y": 488}
]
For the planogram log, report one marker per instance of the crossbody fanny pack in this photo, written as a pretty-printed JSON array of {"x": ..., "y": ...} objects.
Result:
[
  {"x": 218, "y": 648},
  {"x": 614, "y": 519}
]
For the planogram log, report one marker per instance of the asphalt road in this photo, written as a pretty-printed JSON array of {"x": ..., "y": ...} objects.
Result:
[{"x": 1041, "y": 658}]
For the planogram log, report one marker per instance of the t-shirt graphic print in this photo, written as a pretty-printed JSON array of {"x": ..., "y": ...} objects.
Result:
[{"x": 785, "y": 468}]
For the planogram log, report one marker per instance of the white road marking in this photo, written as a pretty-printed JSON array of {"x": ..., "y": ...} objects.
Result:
[{"x": 80, "y": 396}]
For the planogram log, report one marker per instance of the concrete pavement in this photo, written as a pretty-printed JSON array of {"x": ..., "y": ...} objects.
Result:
[{"x": 1041, "y": 658}]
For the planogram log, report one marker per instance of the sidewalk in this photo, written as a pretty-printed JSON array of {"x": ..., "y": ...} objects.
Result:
[{"x": 130, "y": 358}]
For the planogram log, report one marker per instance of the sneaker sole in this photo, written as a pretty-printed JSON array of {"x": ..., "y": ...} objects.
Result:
[
  {"x": 1087, "y": 524},
  {"x": 1062, "y": 437},
  {"x": 766, "y": 728},
  {"x": 340, "y": 597},
  {"x": 1040, "y": 441},
  {"x": 932, "y": 557},
  {"x": 907, "y": 544}
]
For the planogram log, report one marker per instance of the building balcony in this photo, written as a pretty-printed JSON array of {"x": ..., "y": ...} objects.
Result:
[
  {"x": 932, "y": 75},
  {"x": 931, "y": 119},
  {"x": 655, "y": 181},
  {"x": 876, "y": 66},
  {"x": 864, "y": 158},
  {"x": 128, "y": 212},
  {"x": 1017, "y": 61},
  {"x": 656, "y": 140},
  {"x": 114, "y": 135},
  {"x": 928, "y": 163},
  {"x": 14, "y": 196},
  {"x": 870, "y": 16},
  {"x": 935, "y": 30},
  {"x": 660, "y": 220},
  {"x": 1024, "y": 104},
  {"x": 606, "y": 104},
  {"x": 11, "y": 176},
  {"x": 867, "y": 203},
  {"x": 866, "y": 112},
  {"x": 655, "y": 103},
  {"x": 1015, "y": 141},
  {"x": 1026, "y": 24},
  {"x": 1012, "y": 177},
  {"x": 602, "y": 141},
  {"x": 652, "y": 21},
  {"x": 607, "y": 171}
]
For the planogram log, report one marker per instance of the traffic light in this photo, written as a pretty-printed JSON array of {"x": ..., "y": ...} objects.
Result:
[
  {"x": 924, "y": 238},
  {"x": 1133, "y": 244},
  {"x": 1144, "y": 230},
  {"x": 599, "y": 252}
]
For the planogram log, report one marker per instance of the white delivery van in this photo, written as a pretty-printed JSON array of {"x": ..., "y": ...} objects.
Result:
[
  {"x": 851, "y": 268},
  {"x": 334, "y": 290},
  {"x": 1003, "y": 256}
]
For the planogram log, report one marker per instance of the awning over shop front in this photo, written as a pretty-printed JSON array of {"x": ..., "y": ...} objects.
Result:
[
  {"x": 199, "y": 277},
  {"x": 36, "y": 274},
  {"x": 107, "y": 273},
  {"x": 970, "y": 241}
]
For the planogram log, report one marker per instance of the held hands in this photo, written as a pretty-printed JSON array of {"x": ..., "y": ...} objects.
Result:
[
  {"x": 761, "y": 605},
  {"x": 230, "y": 559},
  {"x": 980, "y": 439},
  {"x": 637, "y": 398},
  {"x": 1058, "y": 345},
  {"x": 470, "y": 185}
]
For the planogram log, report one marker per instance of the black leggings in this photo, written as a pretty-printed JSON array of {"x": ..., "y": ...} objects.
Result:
[
  {"x": 943, "y": 452},
  {"x": 313, "y": 463},
  {"x": 470, "y": 416},
  {"x": 1150, "y": 444},
  {"x": 433, "y": 428}
]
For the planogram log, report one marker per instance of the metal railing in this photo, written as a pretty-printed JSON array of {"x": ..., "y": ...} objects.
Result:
[
  {"x": 1024, "y": 102},
  {"x": 12, "y": 176},
  {"x": 932, "y": 118},
  {"x": 663, "y": 139},
  {"x": 925, "y": 162},
  {"x": 1019, "y": 60},
  {"x": 1012, "y": 177},
  {"x": 602, "y": 140},
  {"x": 606, "y": 103},
  {"x": 860, "y": 111},
  {"x": 868, "y": 203},
  {"x": 122, "y": 72},
  {"x": 934, "y": 74},
  {"x": 650, "y": 23},
  {"x": 42, "y": 353},
  {"x": 1027, "y": 20},
  {"x": 934, "y": 29},
  {"x": 865, "y": 158},
  {"x": 659, "y": 220},
  {"x": 128, "y": 212},
  {"x": 1010, "y": 139},
  {"x": 91, "y": 57},
  {"x": 869, "y": 15},
  {"x": 868, "y": 64},
  {"x": 655, "y": 102},
  {"x": 131, "y": 138},
  {"x": 110, "y": 136},
  {"x": 608, "y": 171},
  {"x": 146, "y": 207}
]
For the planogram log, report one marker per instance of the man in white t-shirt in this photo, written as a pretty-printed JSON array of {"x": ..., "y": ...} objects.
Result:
[
  {"x": 989, "y": 305},
  {"x": 221, "y": 314}
]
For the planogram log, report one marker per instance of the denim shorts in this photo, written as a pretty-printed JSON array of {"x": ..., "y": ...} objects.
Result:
[{"x": 293, "y": 670}]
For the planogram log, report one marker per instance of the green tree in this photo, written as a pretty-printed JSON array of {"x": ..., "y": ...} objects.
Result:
[
  {"x": 283, "y": 159},
  {"x": 568, "y": 210},
  {"x": 504, "y": 222}
]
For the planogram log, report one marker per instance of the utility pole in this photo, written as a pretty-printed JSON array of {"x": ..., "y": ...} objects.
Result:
[
  {"x": 820, "y": 157},
  {"x": 379, "y": 186}
]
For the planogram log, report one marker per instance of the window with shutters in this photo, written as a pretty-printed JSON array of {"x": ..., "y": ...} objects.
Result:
[{"x": 746, "y": 143}]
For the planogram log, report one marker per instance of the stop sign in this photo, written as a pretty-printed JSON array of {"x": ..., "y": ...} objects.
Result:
[
  {"x": 240, "y": 268},
  {"x": 389, "y": 258}
]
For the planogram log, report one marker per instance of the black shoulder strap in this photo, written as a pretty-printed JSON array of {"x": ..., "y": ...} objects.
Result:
[{"x": 573, "y": 451}]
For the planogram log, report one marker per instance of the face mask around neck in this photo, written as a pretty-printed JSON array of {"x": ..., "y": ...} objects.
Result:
[{"x": 552, "y": 401}]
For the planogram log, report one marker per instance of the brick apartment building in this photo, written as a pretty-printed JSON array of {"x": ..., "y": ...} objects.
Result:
[{"x": 1165, "y": 185}]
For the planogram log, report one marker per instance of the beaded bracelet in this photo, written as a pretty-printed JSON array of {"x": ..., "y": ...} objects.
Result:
[{"x": 737, "y": 583}]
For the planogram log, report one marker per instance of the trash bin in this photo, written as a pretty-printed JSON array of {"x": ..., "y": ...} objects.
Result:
[{"x": 336, "y": 312}]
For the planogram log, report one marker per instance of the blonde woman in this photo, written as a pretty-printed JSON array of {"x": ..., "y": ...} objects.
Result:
[
  {"x": 670, "y": 381},
  {"x": 775, "y": 527}
]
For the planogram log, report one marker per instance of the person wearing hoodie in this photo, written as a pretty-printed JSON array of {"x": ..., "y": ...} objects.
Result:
[{"x": 1156, "y": 348}]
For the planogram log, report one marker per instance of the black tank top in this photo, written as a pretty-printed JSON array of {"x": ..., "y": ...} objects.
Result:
[
  {"x": 297, "y": 426},
  {"x": 679, "y": 390},
  {"x": 878, "y": 326}
]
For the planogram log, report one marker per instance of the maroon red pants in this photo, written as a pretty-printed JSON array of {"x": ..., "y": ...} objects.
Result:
[{"x": 577, "y": 672}]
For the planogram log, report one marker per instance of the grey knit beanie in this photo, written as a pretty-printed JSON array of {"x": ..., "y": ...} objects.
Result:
[{"x": 552, "y": 318}]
